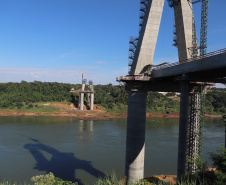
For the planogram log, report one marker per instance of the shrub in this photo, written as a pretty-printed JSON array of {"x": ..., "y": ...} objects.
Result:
[
  {"x": 219, "y": 161},
  {"x": 50, "y": 179}
]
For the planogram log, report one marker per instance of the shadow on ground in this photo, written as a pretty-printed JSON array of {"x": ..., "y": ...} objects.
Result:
[{"x": 61, "y": 164}]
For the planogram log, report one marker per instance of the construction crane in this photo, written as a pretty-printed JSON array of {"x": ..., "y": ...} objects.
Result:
[
  {"x": 82, "y": 75},
  {"x": 82, "y": 72},
  {"x": 204, "y": 26},
  {"x": 203, "y": 51}
]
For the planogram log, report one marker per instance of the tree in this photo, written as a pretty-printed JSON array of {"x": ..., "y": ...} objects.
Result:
[{"x": 219, "y": 161}]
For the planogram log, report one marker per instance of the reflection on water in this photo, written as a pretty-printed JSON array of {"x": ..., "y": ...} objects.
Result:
[
  {"x": 86, "y": 125},
  {"x": 80, "y": 150},
  {"x": 85, "y": 130}
]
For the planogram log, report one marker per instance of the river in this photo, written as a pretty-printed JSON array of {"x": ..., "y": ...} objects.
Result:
[{"x": 78, "y": 150}]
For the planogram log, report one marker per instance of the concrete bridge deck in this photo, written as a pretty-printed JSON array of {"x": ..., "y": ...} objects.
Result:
[{"x": 208, "y": 68}]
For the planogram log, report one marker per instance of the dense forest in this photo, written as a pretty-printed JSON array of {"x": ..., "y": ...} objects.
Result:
[{"x": 111, "y": 97}]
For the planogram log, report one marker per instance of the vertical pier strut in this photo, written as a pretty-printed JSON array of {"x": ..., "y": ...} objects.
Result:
[
  {"x": 189, "y": 136},
  {"x": 135, "y": 139},
  {"x": 224, "y": 119},
  {"x": 92, "y": 97},
  {"x": 82, "y": 95},
  {"x": 193, "y": 128},
  {"x": 183, "y": 125},
  {"x": 189, "y": 129}
]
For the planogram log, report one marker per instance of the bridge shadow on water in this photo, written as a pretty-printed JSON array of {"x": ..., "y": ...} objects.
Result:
[{"x": 61, "y": 164}]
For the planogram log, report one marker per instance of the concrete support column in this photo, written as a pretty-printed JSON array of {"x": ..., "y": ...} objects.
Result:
[
  {"x": 135, "y": 140},
  {"x": 82, "y": 97},
  {"x": 193, "y": 130},
  {"x": 183, "y": 124},
  {"x": 79, "y": 101},
  {"x": 224, "y": 135},
  {"x": 224, "y": 119},
  {"x": 183, "y": 14},
  {"x": 91, "y": 101},
  {"x": 82, "y": 101},
  {"x": 88, "y": 97}
]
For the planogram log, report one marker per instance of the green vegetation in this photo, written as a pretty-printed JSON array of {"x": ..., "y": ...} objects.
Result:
[
  {"x": 48, "y": 179},
  {"x": 19, "y": 95},
  {"x": 219, "y": 162},
  {"x": 216, "y": 101},
  {"x": 35, "y": 108},
  {"x": 113, "y": 98},
  {"x": 113, "y": 180},
  {"x": 205, "y": 177}
]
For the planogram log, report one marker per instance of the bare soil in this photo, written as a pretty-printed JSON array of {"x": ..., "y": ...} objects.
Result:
[{"x": 71, "y": 111}]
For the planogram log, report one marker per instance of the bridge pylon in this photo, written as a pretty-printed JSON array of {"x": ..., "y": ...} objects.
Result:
[{"x": 139, "y": 81}]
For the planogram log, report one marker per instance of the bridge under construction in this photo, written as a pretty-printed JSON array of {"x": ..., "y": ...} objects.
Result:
[{"x": 195, "y": 70}]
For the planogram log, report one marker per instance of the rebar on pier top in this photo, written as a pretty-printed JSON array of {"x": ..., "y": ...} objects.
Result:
[
  {"x": 84, "y": 81},
  {"x": 90, "y": 82}
]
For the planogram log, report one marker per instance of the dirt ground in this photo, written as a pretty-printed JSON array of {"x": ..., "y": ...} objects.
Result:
[{"x": 98, "y": 113}]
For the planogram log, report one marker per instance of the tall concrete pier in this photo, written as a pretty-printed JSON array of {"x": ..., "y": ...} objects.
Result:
[
  {"x": 142, "y": 55},
  {"x": 91, "y": 95},
  {"x": 184, "y": 115},
  {"x": 81, "y": 97},
  {"x": 135, "y": 140}
]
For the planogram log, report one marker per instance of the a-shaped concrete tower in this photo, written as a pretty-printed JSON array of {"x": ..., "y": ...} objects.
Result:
[{"x": 142, "y": 51}]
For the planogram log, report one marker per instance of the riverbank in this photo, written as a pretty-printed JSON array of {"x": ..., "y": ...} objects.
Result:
[
  {"x": 90, "y": 115},
  {"x": 61, "y": 109}
]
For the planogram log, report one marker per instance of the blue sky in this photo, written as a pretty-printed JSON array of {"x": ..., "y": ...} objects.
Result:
[{"x": 54, "y": 40}]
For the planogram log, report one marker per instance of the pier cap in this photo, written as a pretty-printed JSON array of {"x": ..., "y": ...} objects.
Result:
[{"x": 84, "y": 81}]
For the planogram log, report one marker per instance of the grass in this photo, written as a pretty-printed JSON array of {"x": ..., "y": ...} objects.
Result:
[
  {"x": 32, "y": 108},
  {"x": 41, "y": 109},
  {"x": 50, "y": 179},
  {"x": 9, "y": 183}
]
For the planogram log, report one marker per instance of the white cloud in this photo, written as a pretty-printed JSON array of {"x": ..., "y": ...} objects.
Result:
[{"x": 13, "y": 74}]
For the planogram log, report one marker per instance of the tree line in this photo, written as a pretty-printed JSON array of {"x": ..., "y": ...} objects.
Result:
[{"x": 110, "y": 97}]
